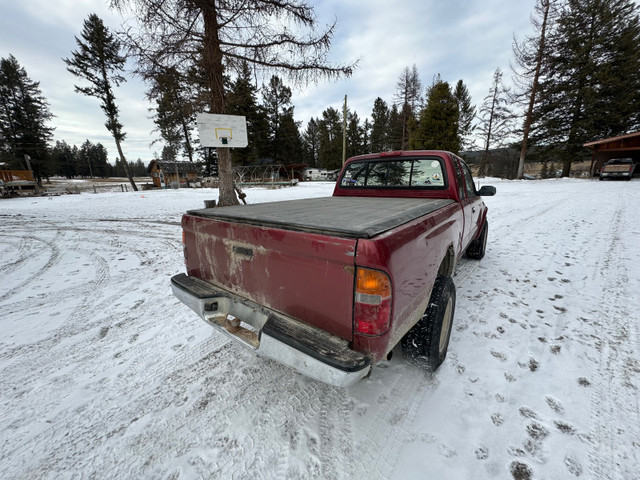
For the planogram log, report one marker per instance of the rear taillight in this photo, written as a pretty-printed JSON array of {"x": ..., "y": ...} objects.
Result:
[{"x": 372, "y": 306}]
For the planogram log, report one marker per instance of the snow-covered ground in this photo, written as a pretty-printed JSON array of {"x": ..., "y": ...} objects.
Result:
[{"x": 104, "y": 374}]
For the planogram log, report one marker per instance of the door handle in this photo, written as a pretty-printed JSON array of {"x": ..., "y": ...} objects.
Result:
[{"x": 473, "y": 209}]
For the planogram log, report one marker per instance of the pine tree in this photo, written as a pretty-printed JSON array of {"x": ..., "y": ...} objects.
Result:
[
  {"x": 63, "y": 159},
  {"x": 366, "y": 136},
  {"x": 330, "y": 128},
  {"x": 590, "y": 80},
  {"x": 355, "y": 136},
  {"x": 242, "y": 99},
  {"x": 176, "y": 104},
  {"x": 467, "y": 114},
  {"x": 397, "y": 129},
  {"x": 24, "y": 113},
  {"x": 311, "y": 142},
  {"x": 284, "y": 136},
  {"x": 495, "y": 119},
  {"x": 98, "y": 61},
  {"x": 438, "y": 125},
  {"x": 379, "y": 126}
]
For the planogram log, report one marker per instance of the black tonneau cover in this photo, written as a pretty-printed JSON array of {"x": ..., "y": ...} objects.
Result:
[{"x": 353, "y": 217}]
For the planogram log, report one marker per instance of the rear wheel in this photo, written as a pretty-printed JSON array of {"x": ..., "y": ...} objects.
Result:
[
  {"x": 427, "y": 342},
  {"x": 478, "y": 247}
]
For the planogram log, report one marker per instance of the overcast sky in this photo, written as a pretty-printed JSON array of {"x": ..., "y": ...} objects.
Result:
[{"x": 458, "y": 39}]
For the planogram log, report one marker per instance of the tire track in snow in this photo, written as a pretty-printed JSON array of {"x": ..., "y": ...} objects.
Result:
[
  {"x": 616, "y": 389},
  {"x": 381, "y": 445},
  {"x": 52, "y": 259}
]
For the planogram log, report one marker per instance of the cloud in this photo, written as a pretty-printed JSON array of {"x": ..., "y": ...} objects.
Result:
[{"x": 459, "y": 39}]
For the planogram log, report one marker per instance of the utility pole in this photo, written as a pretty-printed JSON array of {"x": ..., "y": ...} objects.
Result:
[{"x": 344, "y": 131}]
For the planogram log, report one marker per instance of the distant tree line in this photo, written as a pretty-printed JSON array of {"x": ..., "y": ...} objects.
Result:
[{"x": 577, "y": 79}]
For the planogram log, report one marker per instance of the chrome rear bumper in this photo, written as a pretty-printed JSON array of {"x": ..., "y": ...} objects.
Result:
[{"x": 308, "y": 350}]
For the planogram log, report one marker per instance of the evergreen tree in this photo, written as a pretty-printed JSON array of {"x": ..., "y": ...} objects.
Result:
[
  {"x": 311, "y": 142},
  {"x": 590, "y": 79},
  {"x": 290, "y": 147},
  {"x": 330, "y": 128},
  {"x": 379, "y": 126},
  {"x": 98, "y": 61},
  {"x": 467, "y": 114},
  {"x": 397, "y": 128},
  {"x": 242, "y": 100},
  {"x": 63, "y": 159},
  {"x": 495, "y": 119},
  {"x": 366, "y": 136},
  {"x": 355, "y": 136},
  {"x": 176, "y": 104},
  {"x": 284, "y": 137},
  {"x": 24, "y": 113},
  {"x": 438, "y": 125}
]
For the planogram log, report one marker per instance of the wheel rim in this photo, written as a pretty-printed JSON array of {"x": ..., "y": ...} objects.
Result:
[{"x": 446, "y": 323}]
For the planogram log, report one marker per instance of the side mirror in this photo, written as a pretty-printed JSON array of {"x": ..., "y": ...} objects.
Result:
[{"x": 487, "y": 191}]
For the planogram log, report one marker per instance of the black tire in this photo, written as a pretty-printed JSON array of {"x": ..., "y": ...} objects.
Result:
[
  {"x": 478, "y": 247},
  {"x": 427, "y": 342}
]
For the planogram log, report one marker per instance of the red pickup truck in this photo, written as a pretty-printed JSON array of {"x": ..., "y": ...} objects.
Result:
[{"x": 329, "y": 286}]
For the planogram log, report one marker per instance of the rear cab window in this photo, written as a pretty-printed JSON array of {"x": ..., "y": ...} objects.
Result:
[{"x": 428, "y": 173}]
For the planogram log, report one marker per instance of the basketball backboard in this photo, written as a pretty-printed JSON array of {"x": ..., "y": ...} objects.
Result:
[{"x": 222, "y": 130}]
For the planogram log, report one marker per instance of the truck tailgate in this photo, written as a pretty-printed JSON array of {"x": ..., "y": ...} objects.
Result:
[{"x": 307, "y": 276}]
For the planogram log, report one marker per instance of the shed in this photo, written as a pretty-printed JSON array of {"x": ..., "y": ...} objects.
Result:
[
  {"x": 164, "y": 173},
  {"x": 622, "y": 146}
]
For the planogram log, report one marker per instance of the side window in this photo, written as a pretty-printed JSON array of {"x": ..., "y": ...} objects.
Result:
[
  {"x": 462, "y": 184},
  {"x": 468, "y": 180}
]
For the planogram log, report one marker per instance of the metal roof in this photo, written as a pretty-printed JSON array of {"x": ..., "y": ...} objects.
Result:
[{"x": 620, "y": 138}]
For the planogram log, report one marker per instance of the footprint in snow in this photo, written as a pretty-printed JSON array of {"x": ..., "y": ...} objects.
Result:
[
  {"x": 498, "y": 355},
  {"x": 528, "y": 413},
  {"x": 554, "y": 404},
  {"x": 573, "y": 466},
  {"x": 564, "y": 427},
  {"x": 520, "y": 471},
  {"x": 482, "y": 452},
  {"x": 497, "y": 419},
  {"x": 446, "y": 451}
]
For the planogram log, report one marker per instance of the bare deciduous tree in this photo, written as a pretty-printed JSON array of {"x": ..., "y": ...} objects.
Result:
[{"x": 495, "y": 119}]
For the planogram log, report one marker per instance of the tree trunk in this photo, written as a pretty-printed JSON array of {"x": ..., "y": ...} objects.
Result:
[
  {"x": 187, "y": 140},
  {"x": 227, "y": 195},
  {"x": 534, "y": 87},
  {"x": 214, "y": 75},
  {"x": 125, "y": 166}
]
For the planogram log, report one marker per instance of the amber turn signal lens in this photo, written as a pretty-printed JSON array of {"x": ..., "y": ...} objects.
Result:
[{"x": 373, "y": 282}]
